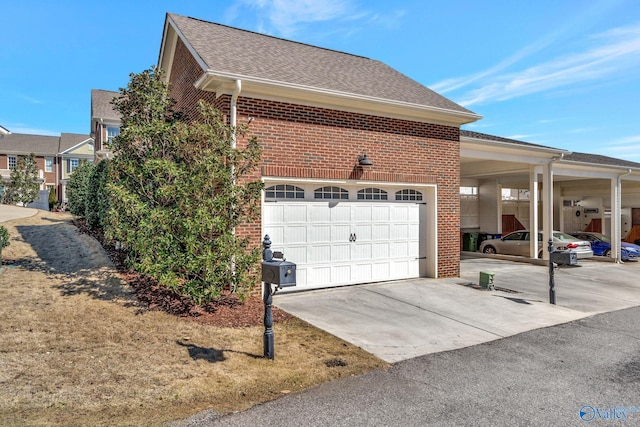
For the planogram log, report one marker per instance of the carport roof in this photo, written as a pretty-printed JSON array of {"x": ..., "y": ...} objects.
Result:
[
  {"x": 600, "y": 160},
  {"x": 577, "y": 157}
]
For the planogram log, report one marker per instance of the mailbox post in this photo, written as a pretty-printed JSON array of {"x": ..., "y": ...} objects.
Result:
[{"x": 278, "y": 272}]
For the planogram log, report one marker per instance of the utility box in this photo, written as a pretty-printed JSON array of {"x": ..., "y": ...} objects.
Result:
[
  {"x": 486, "y": 280},
  {"x": 564, "y": 258},
  {"x": 281, "y": 273}
]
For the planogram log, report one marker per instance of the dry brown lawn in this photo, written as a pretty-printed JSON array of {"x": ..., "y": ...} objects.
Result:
[{"x": 78, "y": 348}]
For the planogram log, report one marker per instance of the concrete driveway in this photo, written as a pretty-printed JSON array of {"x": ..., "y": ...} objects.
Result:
[
  {"x": 9, "y": 212},
  {"x": 404, "y": 319}
]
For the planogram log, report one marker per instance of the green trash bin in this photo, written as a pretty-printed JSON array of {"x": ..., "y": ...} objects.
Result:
[
  {"x": 470, "y": 242},
  {"x": 486, "y": 280}
]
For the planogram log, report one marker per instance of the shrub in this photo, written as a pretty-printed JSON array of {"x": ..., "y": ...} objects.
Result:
[
  {"x": 77, "y": 189},
  {"x": 179, "y": 191},
  {"x": 53, "y": 198},
  {"x": 97, "y": 200},
  {"x": 4, "y": 240}
]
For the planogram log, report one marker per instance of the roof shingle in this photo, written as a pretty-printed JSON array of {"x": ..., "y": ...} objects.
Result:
[{"x": 247, "y": 54}]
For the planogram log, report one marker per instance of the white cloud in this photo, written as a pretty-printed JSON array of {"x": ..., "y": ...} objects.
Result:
[
  {"x": 616, "y": 50},
  {"x": 286, "y": 18}
]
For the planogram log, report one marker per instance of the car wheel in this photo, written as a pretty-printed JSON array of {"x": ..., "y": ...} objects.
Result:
[
  {"x": 607, "y": 253},
  {"x": 489, "y": 250}
]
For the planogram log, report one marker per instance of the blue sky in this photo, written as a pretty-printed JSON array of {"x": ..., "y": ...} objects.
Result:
[{"x": 562, "y": 73}]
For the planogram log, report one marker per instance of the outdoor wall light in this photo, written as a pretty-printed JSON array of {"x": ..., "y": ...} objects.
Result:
[{"x": 363, "y": 160}]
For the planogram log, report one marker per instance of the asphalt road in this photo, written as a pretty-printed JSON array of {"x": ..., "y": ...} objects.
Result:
[{"x": 583, "y": 372}]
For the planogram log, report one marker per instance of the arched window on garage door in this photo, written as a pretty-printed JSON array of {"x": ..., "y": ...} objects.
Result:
[
  {"x": 409, "y": 194},
  {"x": 372, "y": 194},
  {"x": 284, "y": 191},
  {"x": 331, "y": 193}
]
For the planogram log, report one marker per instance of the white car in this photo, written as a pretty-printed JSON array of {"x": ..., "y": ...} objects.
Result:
[{"x": 517, "y": 243}]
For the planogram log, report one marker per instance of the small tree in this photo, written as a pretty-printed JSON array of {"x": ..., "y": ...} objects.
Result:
[
  {"x": 53, "y": 198},
  {"x": 77, "y": 189},
  {"x": 24, "y": 184},
  {"x": 4, "y": 240},
  {"x": 179, "y": 191}
]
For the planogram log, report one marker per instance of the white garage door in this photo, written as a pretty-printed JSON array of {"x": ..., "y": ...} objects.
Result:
[{"x": 338, "y": 243}]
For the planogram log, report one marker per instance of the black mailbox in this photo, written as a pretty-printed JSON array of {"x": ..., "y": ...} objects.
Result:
[
  {"x": 564, "y": 258},
  {"x": 281, "y": 273}
]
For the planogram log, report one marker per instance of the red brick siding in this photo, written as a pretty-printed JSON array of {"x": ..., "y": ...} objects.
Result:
[{"x": 302, "y": 141}]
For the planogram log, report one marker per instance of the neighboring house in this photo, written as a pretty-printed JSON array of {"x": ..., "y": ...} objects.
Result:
[
  {"x": 74, "y": 150},
  {"x": 105, "y": 121},
  {"x": 317, "y": 113},
  {"x": 55, "y": 157}
]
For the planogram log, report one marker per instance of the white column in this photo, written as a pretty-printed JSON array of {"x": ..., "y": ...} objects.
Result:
[
  {"x": 533, "y": 210},
  {"x": 547, "y": 204},
  {"x": 616, "y": 220}
]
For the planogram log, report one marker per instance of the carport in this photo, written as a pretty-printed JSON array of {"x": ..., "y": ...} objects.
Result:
[{"x": 547, "y": 186}]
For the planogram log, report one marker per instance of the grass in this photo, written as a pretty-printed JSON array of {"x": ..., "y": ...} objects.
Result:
[{"x": 78, "y": 349}]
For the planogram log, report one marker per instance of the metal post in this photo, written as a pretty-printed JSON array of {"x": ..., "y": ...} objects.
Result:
[
  {"x": 267, "y": 298},
  {"x": 268, "y": 323},
  {"x": 552, "y": 285}
]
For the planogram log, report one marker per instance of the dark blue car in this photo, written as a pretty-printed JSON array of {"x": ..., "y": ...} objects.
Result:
[{"x": 601, "y": 245}]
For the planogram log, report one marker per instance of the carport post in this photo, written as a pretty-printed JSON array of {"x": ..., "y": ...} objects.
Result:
[{"x": 552, "y": 285}]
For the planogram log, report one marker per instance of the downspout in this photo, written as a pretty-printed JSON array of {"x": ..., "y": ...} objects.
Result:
[
  {"x": 234, "y": 121},
  {"x": 234, "y": 110}
]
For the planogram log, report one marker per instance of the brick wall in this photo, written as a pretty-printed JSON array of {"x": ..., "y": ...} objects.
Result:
[{"x": 309, "y": 142}]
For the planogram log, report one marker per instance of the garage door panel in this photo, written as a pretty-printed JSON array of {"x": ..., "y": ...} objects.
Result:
[
  {"x": 399, "y": 232},
  {"x": 380, "y": 214},
  {"x": 319, "y": 254},
  {"x": 319, "y": 233},
  {"x": 340, "y": 213},
  {"x": 295, "y": 234},
  {"x": 361, "y": 251},
  {"x": 341, "y": 253},
  {"x": 362, "y": 214},
  {"x": 381, "y": 232},
  {"x": 363, "y": 232},
  {"x": 380, "y": 250},
  {"x": 319, "y": 213},
  {"x": 296, "y": 214},
  {"x": 337, "y": 243}
]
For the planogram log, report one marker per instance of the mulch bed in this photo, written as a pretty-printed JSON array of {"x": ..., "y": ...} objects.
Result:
[{"x": 227, "y": 311}]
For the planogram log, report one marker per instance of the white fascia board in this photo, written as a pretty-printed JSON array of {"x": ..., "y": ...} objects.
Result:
[
  {"x": 223, "y": 84},
  {"x": 170, "y": 46},
  {"x": 508, "y": 153},
  {"x": 593, "y": 170}
]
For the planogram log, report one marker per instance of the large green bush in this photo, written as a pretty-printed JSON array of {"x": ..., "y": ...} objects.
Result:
[
  {"x": 178, "y": 191},
  {"x": 77, "y": 189}
]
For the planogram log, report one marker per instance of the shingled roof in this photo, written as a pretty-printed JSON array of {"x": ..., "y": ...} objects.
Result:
[
  {"x": 600, "y": 160},
  {"x": 101, "y": 107},
  {"x": 593, "y": 159},
  {"x": 22, "y": 143},
  {"x": 244, "y": 54},
  {"x": 70, "y": 140},
  {"x": 487, "y": 137}
]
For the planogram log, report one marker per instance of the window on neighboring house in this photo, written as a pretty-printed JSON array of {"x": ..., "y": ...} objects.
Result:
[
  {"x": 48, "y": 164},
  {"x": 12, "y": 162},
  {"x": 331, "y": 193},
  {"x": 409, "y": 194},
  {"x": 72, "y": 164},
  {"x": 372, "y": 194},
  {"x": 112, "y": 132},
  {"x": 284, "y": 191}
]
